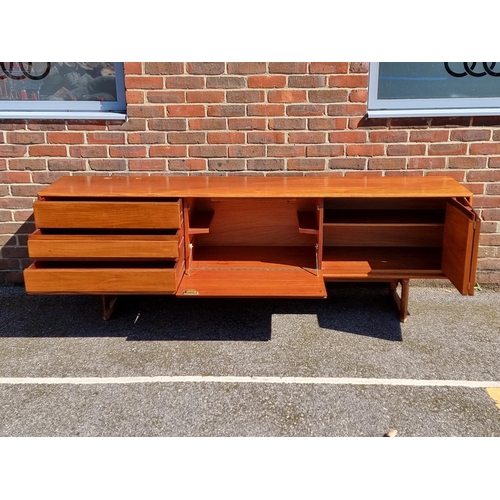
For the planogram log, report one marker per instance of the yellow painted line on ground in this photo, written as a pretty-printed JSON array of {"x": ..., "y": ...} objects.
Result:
[{"x": 494, "y": 393}]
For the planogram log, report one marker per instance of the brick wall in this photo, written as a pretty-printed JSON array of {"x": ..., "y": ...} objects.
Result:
[{"x": 250, "y": 118}]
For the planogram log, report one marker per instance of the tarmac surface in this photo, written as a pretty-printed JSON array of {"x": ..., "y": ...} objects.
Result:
[{"x": 166, "y": 366}]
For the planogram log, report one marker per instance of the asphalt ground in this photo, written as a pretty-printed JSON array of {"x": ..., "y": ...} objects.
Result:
[{"x": 166, "y": 366}]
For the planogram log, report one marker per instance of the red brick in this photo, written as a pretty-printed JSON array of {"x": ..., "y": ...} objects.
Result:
[
  {"x": 205, "y": 68},
  {"x": 167, "y": 151},
  {"x": 186, "y": 137},
  {"x": 205, "y": 96},
  {"x": 328, "y": 67},
  {"x": 247, "y": 124},
  {"x": 305, "y": 81},
  {"x": 347, "y": 163},
  {"x": 184, "y": 82},
  {"x": 245, "y": 96},
  {"x": 307, "y": 137},
  {"x": 164, "y": 68},
  {"x": 306, "y": 164},
  {"x": 246, "y": 68},
  {"x": 458, "y": 175},
  {"x": 266, "y": 137},
  {"x": 491, "y": 215},
  {"x": 288, "y": 67},
  {"x": 185, "y": 110},
  {"x": 386, "y": 163},
  {"x": 327, "y": 123},
  {"x": 143, "y": 82},
  {"x": 242, "y": 151},
  {"x": 266, "y": 164},
  {"x": 65, "y": 137},
  {"x": 167, "y": 124},
  {"x": 89, "y": 125},
  {"x": 225, "y": 137},
  {"x": 287, "y": 96},
  {"x": 305, "y": 110},
  {"x": 187, "y": 164},
  {"x": 226, "y": 110},
  {"x": 266, "y": 81},
  {"x": 108, "y": 164},
  {"x": 46, "y": 150},
  {"x": 358, "y": 95},
  {"x": 467, "y": 162},
  {"x": 146, "y": 138},
  {"x": 429, "y": 135},
  {"x": 207, "y": 123},
  {"x": 287, "y": 123},
  {"x": 106, "y": 138},
  {"x": 487, "y": 202},
  {"x": 49, "y": 177},
  {"x": 406, "y": 149},
  {"x": 486, "y": 148},
  {"x": 349, "y": 81},
  {"x": 225, "y": 82},
  {"x": 145, "y": 111},
  {"x": 10, "y": 151},
  {"x": 166, "y": 96},
  {"x": 27, "y": 164},
  {"x": 266, "y": 109},
  {"x": 46, "y": 125},
  {"x": 358, "y": 67},
  {"x": 494, "y": 162},
  {"x": 131, "y": 68},
  {"x": 470, "y": 135},
  {"x": 484, "y": 176},
  {"x": 346, "y": 109},
  {"x": 25, "y": 137},
  {"x": 88, "y": 151},
  {"x": 203, "y": 151},
  {"x": 286, "y": 151},
  {"x": 388, "y": 136},
  {"x": 348, "y": 136},
  {"x": 15, "y": 177},
  {"x": 365, "y": 150},
  {"x": 226, "y": 164},
  {"x": 447, "y": 149},
  {"x": 130, "y": 124},
  {"x": 69, "y": 164},
  {"x": 325, "y": 150},
  {"x": 427, "y": 163},
  {"x": 134, "y": 96},
  {"x": 147, "y": 164}
]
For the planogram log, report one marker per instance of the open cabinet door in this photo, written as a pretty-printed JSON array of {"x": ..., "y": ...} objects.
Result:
[{"x": 460, "y": 245}]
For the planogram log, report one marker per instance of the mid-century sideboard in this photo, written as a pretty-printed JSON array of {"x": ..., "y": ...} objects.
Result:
[{"x": 212, "y": 236}]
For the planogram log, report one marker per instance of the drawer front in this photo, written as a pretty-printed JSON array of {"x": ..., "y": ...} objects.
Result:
[
  {"x": 108, "y": 214},
  {"x": 127, "y": 280},
  {"x": 99, "y": 247}
]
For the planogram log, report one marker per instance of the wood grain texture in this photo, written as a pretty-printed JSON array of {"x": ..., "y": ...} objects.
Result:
[
  {"x": 98, "y": 247},
  {"x": 254, "y": 187},
  {"x": 109, "y": 215}
]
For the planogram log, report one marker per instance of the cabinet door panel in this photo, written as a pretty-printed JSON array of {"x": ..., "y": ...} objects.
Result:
[{"x": 460, "y": 241}]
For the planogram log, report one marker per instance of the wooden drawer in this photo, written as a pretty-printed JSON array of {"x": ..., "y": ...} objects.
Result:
[
  {"x": 108, "y": 214},
  {"x": 43, "y": 277},
  {"x": 98, "y": 247}
]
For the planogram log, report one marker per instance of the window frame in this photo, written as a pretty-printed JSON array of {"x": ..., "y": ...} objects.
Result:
[
  {"x": 407, "y": 108},
  {"x": 77, "y": 110}
]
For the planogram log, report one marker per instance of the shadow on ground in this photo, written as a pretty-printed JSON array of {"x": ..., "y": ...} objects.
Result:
[{"x": 360, "y": 309}]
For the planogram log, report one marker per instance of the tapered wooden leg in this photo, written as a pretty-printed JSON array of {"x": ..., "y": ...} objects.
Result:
[
  {"x": 108, "y": 306},
  {"x": 401, "y": 302}
]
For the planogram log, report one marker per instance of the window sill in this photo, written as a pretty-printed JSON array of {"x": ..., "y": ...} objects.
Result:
[
  {"x": 61, "y": 115},
  {"x": 431, "y": 113}
]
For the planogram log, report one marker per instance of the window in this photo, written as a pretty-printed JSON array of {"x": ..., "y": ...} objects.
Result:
[
  {"x": 405, "y": 89},
  {"x": 65, "y": 90}
]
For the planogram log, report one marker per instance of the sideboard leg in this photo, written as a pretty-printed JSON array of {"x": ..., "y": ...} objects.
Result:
[
  {"x": 401, "y": 302},
  {"x": 108, "y": 306}
]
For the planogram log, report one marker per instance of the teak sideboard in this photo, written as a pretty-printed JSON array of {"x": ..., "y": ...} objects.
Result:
[{"x": 210, "y": 236}]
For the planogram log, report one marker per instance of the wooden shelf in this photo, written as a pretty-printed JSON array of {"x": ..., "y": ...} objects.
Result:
[
  {"x": 200, "y": 222},
  {"x": 384, "y": 216},
  {"x": 308, "y": 222}
]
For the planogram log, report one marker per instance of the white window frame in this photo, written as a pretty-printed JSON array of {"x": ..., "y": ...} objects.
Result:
[
  {"x": 402, "y": 108},
  {"x": 67, "y": 110}
]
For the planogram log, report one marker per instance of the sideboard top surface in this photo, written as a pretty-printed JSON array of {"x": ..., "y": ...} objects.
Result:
[{"x": 165, "y": 186}]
